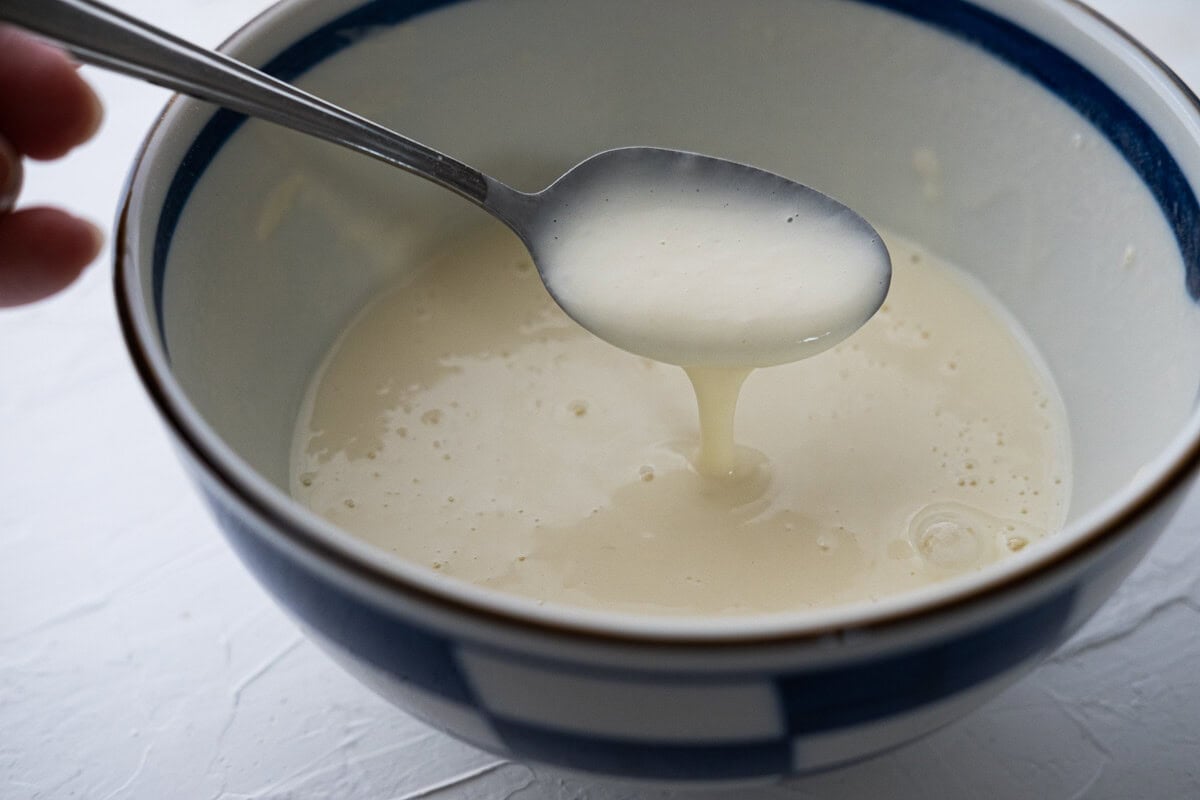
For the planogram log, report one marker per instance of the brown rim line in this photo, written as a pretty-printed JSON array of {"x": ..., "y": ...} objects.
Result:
[{"x": 284, "y": 521}]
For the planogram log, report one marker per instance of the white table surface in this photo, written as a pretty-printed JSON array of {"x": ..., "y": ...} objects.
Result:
[{"x": 138, "y": 659}]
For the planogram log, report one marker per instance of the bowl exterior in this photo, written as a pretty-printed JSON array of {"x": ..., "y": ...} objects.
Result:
[
  {"x": 782, "y": 708},
  {"x": 680, "y": 711}
]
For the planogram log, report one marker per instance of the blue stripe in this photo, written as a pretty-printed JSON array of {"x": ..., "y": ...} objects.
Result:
[
  {"x": 816, "y": 702},
  {"x": 639, "y": 759},
  {"x": 1054, "y": 70},
  {"x": 407, "y": 652}
]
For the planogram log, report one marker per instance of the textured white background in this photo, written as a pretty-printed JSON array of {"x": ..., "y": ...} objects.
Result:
[{"x": 139, "y": 660}]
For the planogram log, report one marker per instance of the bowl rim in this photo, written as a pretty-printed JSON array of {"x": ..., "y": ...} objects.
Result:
[{"x": 357, "y": 563}]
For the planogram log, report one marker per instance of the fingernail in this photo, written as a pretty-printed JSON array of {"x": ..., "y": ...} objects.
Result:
[
  {"x": 98, "y": 237},
  {"x": 11, "y": 176},
  {"x": 97, "y": 113}
]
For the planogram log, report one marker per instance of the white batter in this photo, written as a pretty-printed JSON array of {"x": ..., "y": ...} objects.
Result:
[
  {"x": 466, "y": 424},
  {"x": 713, "y": 278},
  {"x": 702, "y": 274}
]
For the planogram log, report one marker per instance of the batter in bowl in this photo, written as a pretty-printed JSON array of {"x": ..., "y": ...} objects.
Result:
[{"x": 465, "y": 423}]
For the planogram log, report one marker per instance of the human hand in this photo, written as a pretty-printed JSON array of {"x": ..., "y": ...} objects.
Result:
[{"x": 46, "y": 109}]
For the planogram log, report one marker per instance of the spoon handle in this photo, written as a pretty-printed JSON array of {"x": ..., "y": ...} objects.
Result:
[{"x": 105, "y": 37}]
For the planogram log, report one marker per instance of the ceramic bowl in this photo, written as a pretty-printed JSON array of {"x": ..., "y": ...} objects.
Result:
[{"x": 1026, "y": 141}]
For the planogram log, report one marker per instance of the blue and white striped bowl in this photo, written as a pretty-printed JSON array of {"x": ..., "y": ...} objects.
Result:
[{"x": 1067, "y": 166}]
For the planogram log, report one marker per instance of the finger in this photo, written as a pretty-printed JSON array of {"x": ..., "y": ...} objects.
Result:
[
  {"x": 46, "y": 108},
  {"x": 41, "y": 251},
  {"x": 11, "y": 176}
]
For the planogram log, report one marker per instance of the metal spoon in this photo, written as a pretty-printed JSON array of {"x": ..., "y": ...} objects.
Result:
[{"x": 105, "y": 37}]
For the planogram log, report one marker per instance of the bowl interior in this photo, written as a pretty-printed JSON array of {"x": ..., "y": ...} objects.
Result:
[{"x": 1009, "y": 156}]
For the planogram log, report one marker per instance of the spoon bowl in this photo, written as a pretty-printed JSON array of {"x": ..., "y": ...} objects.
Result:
[{"x": 703, "y": 262}]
